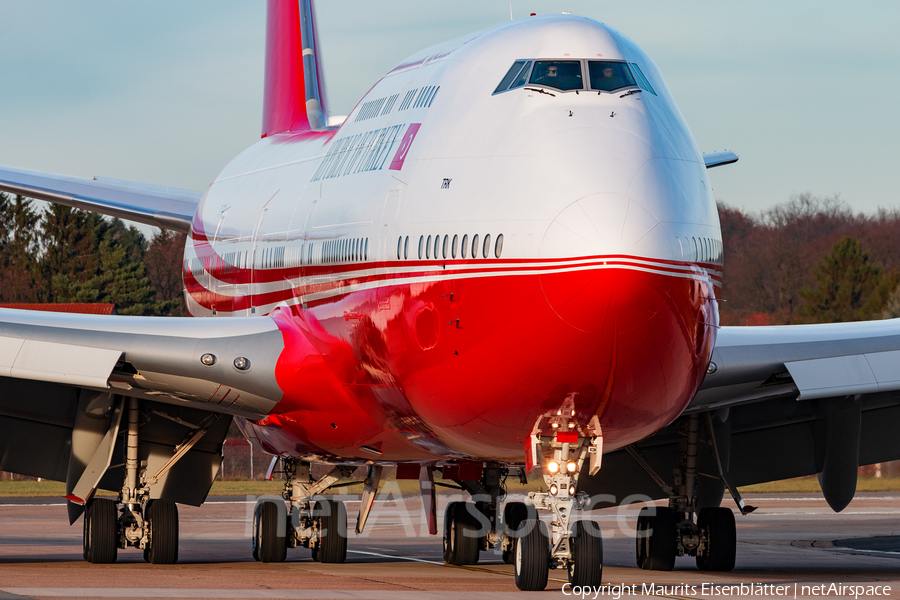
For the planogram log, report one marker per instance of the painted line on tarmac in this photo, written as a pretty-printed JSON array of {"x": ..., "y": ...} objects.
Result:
[{"x": 493, "y": 571}]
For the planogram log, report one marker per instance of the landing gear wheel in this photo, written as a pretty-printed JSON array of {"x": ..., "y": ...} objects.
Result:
[
  {"x": 532, "y": 558},
  {"x": 513, "y": 514},
  {"x": 586, "y": 544},
  {"x": 656, "y": 539},
  {"x": 269, "y": 528},
  {"x": 101, "y": 531},
  {"x": 332, "y": 520},
  {"x": 721, "y": 539},
  {"x": 162, "y": 517},
  {"x": 461, "y": 539}
]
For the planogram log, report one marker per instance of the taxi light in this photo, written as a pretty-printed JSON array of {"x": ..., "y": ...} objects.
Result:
[
  {"x": 553, "y": 466},
  {"x": 553, "y": 489},
  {"x": 571, "y": 490},
  {"x": 571, "y": 467}
]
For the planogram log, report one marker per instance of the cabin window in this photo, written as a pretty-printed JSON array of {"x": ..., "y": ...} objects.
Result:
[
  {"x": 486, "y": 251},
  {"x": 446, "y": 247},
  {"x": 607, "y": 75},
  {"x": 455, "y": 245},
  {"x": 465, "y": 245},
  {"x": 366, "y": 250},
  {"x": 399, "y": 247},
  {"x": 475, "y": 246},
  {"x": 406, "y": 248},
  {"x": 437, "y": 244},
  {"x": 421, "y": 242},
  {"x": 559, "y": 74},
  {"x": 498, "y": 249},
  {"x": 428, "y": 248}
]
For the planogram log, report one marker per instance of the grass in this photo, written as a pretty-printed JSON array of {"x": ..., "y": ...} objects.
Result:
[
  {"x": 33, "y": 489},
  {"x": 811, "y": 485}
]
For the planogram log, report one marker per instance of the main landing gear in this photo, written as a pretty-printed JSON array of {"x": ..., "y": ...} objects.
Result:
[
  {"x": 319, "y": 524},
  {"x": 141, "y": 522},
  {"x": 569, "y": 543},
  {"x": 666, "y": 532}
]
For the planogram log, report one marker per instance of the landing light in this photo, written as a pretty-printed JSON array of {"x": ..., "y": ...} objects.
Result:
[
  {"x": 571, "y": 490},
  {"x": 553, "y": 466},
  {"x": 571, "y": 467},
  {"x": 553, "y": 489}
]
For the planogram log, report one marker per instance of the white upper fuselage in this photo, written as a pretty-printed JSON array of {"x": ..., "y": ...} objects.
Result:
[{"x": 564, "y": 175}]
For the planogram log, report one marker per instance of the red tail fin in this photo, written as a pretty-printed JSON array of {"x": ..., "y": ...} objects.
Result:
[{"x": 294, "y": 96}]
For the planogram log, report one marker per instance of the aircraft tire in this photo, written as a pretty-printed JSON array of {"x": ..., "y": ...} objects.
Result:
[
  {"x": 721, "y": 539},
  {"x": 532, "y": 558},
  {"x": 586, "y": 545},
  {"x": 162, "y": 517},
  {"x": 656, "y": 539},
  {"x": 461, "y": 539},
  {"x": 513, "y": 514},
  {"x": 269, "y": 542},
  {"x": 332, "y": 518},
  {"x": 101, "y": 531}
]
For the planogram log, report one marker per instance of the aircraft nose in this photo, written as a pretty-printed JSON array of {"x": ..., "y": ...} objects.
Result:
[{"x": 597, "y": 239}]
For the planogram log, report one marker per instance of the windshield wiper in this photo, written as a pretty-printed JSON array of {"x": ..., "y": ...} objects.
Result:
[
  {"x": 630, "y": 92},
  {"x": 541, "y": 91}
]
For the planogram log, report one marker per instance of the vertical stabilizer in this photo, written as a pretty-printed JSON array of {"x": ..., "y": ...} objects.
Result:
[{"x": 294, "y": 93}]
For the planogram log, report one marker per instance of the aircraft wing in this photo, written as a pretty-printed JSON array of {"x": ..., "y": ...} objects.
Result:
[
  {"x": 66, "y": 381},
  {"x": 779, "y": 402},
  {"x": 165, "y": 207},
  {"x": 718, "y": 159},
  {"x": 175, "y": 360},
  {"x": 806, "y": 361}
]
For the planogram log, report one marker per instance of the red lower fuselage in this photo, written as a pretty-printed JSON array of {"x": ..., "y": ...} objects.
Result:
[{"x": 470, "y": 359}]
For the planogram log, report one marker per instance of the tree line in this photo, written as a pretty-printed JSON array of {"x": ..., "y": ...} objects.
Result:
[
  {"x": 63, "y": 254},
  {"x": 809, "y": 260}
]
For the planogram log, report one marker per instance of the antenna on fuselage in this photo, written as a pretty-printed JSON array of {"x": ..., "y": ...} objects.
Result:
[{"x": 510, "y": 11}]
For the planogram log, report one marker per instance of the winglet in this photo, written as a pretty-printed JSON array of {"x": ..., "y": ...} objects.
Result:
[
  {"x": 294, "y": 91},
  {"x": 718, "y": 159}
]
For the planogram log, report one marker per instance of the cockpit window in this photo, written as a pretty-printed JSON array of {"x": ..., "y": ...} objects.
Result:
[
  {"x": 608, "y": 75},
  {"x": 510, "y": 75},
  {"x": 559, "y": 74},
  {"x": 517, "y": 75},
  {"x": 523, "y": 76},
  {"x": 642, "y": 81}
]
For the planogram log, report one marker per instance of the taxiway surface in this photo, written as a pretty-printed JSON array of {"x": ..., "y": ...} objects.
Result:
[{"x": 790, "y": 540}]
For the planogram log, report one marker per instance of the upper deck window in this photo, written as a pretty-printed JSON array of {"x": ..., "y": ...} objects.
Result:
[
  {"x": 608, "y": 76},
  {"x": 559, "y": 74}
]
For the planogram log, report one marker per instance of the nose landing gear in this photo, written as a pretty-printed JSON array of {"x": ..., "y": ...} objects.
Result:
[{"x": 569, "y": 543}]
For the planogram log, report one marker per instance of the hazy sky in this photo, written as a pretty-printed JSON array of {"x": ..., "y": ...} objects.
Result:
[{"x": 166, "y": 92}]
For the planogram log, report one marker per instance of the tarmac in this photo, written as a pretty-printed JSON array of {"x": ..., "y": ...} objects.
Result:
[{"x": 793, "y": 546}]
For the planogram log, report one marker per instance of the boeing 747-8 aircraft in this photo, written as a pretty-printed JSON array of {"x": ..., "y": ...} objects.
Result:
[{"x": 507, "y": 256}]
